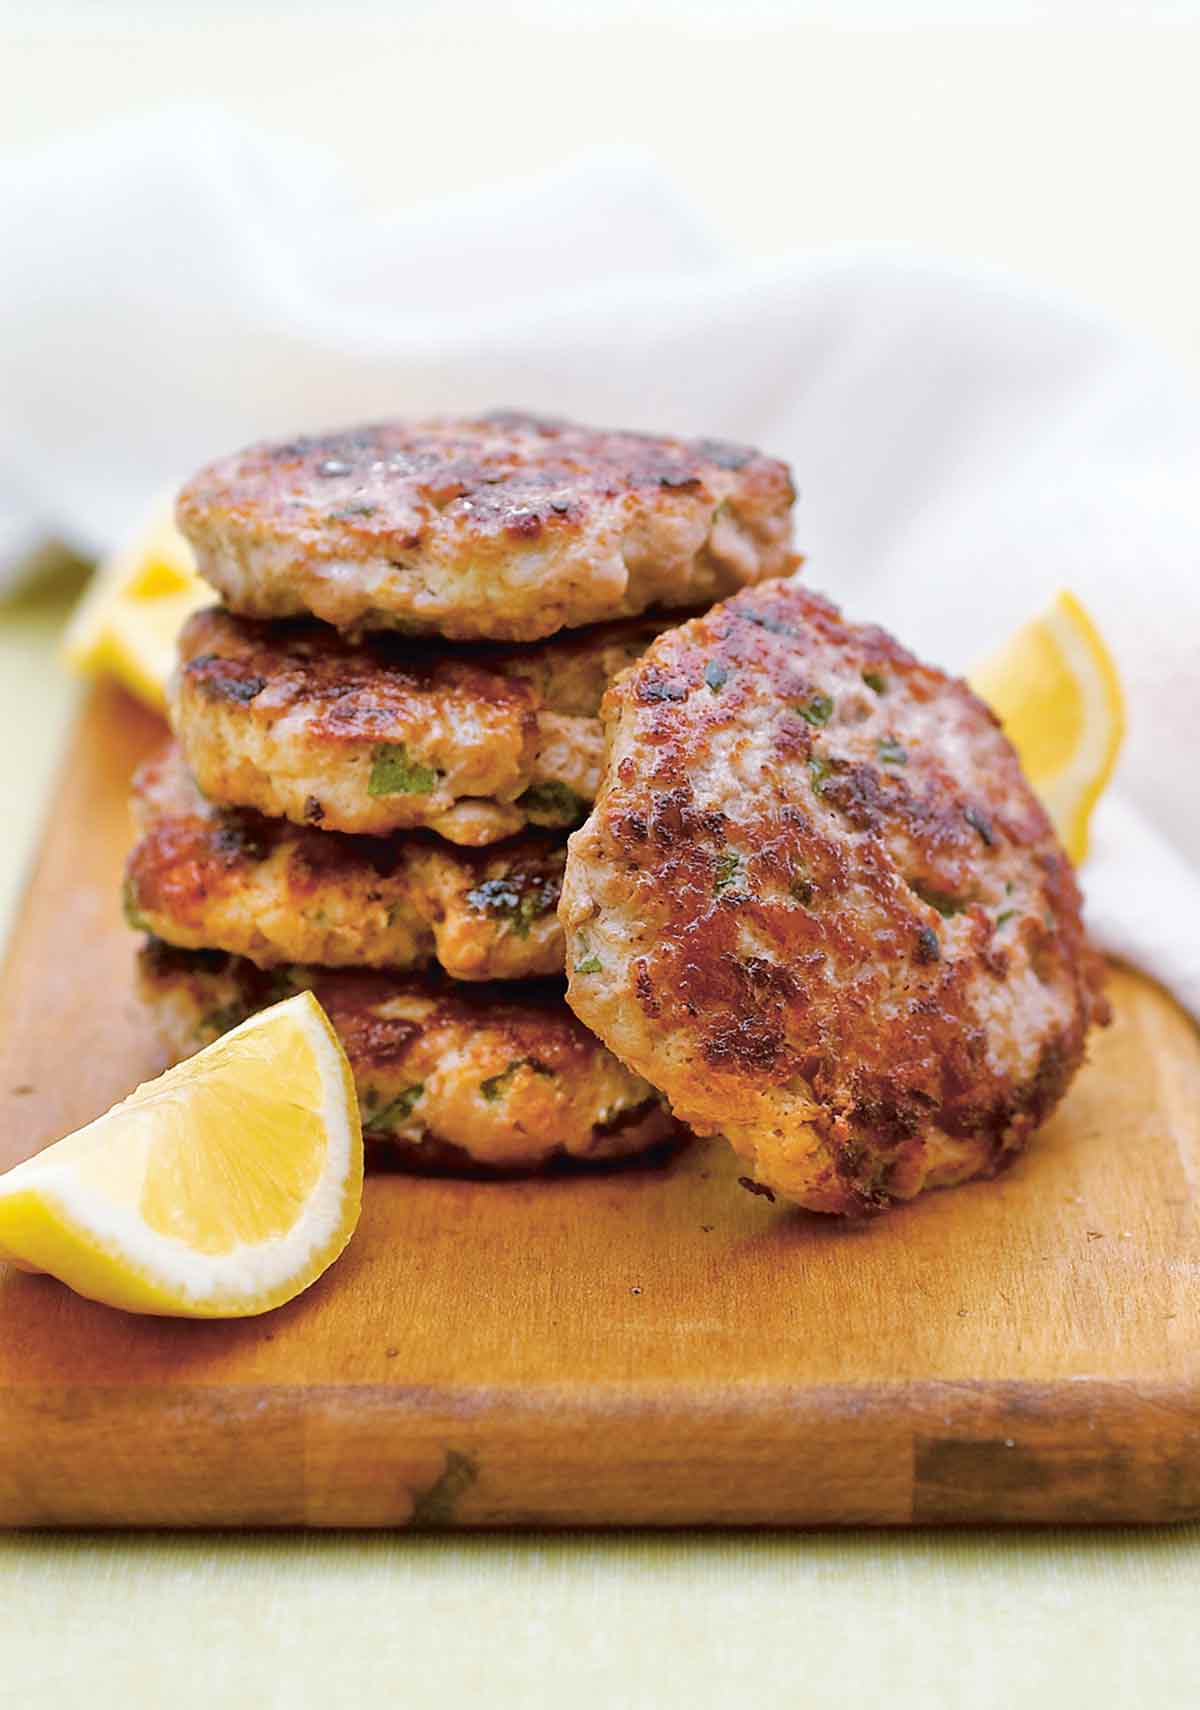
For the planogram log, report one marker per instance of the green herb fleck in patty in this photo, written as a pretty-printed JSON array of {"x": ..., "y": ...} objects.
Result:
[
  {"x": 817, "y": 710},
  {"x": 728, "y": 863},
  {"x": 552, "y": 804},
  {"x": 222, "y": 1020},
  {"x": 397, "y": 1113},
  {"x": 518, "y": 898},
  {"x": 394, "y": 774},
  {"x": 942, "y": 901},
  {"x": 134, "y": 917},
  {"x": 497, "y": 1085}
]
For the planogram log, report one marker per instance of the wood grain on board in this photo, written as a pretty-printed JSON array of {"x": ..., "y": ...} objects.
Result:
[{"x": 649, "y": 1346}]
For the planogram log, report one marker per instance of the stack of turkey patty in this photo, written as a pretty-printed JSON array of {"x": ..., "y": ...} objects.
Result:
[{"x": 385, "y": 735}]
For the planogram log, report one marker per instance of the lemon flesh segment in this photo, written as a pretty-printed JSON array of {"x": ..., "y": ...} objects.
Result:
[
  {"x": 221, "y": 1189},
  {"x": 137, "y": 646},
  {"x": 127, "y": 622},
  {"x": 1055, "y": 688}
]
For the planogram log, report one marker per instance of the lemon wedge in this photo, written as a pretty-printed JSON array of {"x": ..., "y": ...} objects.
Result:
[
  {"x": 220, "y": 1190},
  {"x": 1055, "y": 688},
  {"x": 126, "y": 623}
]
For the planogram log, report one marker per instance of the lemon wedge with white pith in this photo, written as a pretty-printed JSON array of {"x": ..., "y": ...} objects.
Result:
[
  {"x": 221, "y": 1189},
  {"x": 127, "y": 622},
  {"x": 1055, "y": 688}
]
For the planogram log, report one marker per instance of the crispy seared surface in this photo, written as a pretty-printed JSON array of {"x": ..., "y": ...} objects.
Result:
[
  {"x": 508, "y": 526},
  {"x": 205, "y": 877},
  {"x": 818, "y": 905},
  {"x": 460, "y": 1079},
  {"x": 474, "y": 743}
]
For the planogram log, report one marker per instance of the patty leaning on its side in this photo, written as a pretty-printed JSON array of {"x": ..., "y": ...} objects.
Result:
[
  {"x": 474, "y": 743},
  {"x": 818, "y": 906},
  {"x": 459, "y": 1080},
  {"x": 204, "y": 877},
  {"x": 507, "y": 527}
]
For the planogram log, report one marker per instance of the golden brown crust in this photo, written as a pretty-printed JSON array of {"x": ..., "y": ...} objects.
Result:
[
  {"x": 474, "y": 743},
  {"x": 205, "y": 877},
  {"x": 818, "y": 905},
  {"x": 451, "y": 1079},
  {"x": 507, "y": 526}
]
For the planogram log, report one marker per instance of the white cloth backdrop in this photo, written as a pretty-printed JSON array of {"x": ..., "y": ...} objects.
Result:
[{"x": 964, "y": 443}]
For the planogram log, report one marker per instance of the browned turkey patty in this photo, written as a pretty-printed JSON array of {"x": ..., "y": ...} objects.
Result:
[
  {"x": 818, "y": 906},
  {"x": 508, "y": 526},
  {"x": 203, "y": 877},
  {"x": 473, "y": 742},
  {"x": 451, "y": 1079}
]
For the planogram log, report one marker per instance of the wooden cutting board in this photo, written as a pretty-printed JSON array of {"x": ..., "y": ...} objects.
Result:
[{"x": 653, "y": 1347}]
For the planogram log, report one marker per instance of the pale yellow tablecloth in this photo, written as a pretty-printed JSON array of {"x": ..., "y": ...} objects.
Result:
[{"x": 983, "y": 1620}]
